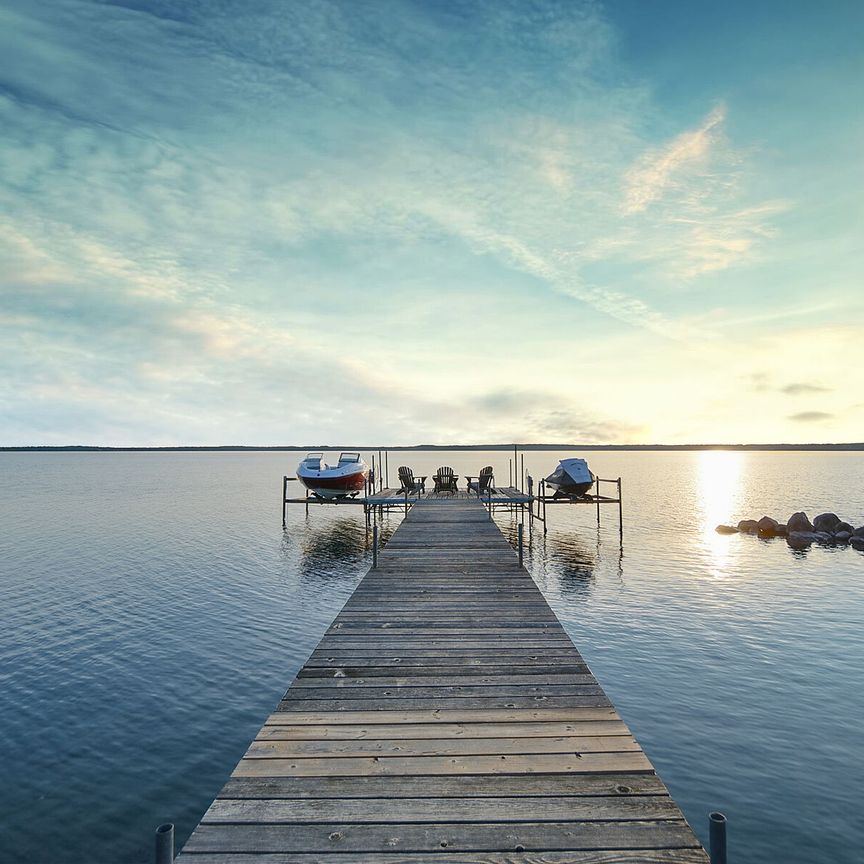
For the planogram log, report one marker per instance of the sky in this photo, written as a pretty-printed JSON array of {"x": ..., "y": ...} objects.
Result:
[{"x": 261, "y": 222}]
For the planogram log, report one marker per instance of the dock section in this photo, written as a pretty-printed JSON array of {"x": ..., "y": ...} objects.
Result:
[{"x": 445, "y": 716}]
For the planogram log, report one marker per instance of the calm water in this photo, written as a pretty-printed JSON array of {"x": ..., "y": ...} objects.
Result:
[{"x": 153, "y": 612}]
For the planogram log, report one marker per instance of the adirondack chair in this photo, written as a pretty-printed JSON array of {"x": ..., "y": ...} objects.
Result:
[
  {"x": 445, "y": 480},
  {"x": 406, "y": 480},
  {"x": 484, "y": 483}
]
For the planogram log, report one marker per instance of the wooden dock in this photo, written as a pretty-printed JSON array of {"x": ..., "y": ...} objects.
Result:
[{"x": 445, "y": 716}]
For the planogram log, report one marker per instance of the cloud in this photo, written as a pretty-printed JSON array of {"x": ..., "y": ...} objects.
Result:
[
  {"x": 647, "y": 181},
  {"x": 810, "y": 417},
  {"x": 803, "y": 388}
]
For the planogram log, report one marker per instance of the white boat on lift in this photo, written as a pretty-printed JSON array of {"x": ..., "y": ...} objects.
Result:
[
  {"x": 571, "y": 479},
  {"x": 344, "y": 480}
]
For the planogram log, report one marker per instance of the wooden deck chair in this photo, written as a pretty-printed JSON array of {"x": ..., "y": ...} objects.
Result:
[
  {"x": 406, "y": 480},
  {"x": 485, "y": 482},
  {"x": 444, "y": 480}
]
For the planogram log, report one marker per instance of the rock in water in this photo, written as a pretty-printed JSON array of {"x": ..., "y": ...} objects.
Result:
[
  {"x": 799, "y": 522},
  {"x": 842, "y": 527},
  {"x": 857, "y": 543},
  {"x": 748, "y": 526},
  {"x": 726, "y": 529},
  {"x": 842, "y": 537},
  {"x": 767, "y": 527},
  {"x": 800, "y": 539},
  {"x": 826, "y": 522},
  {"x": 858, "y": 532}
]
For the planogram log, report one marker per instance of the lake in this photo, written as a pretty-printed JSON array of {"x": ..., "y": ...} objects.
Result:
[{"x": 154, "y": 611}]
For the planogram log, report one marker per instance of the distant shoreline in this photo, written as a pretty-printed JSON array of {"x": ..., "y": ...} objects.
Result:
[{"x": 433, "y": 447}]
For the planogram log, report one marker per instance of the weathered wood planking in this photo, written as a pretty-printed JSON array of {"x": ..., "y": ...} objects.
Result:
[{"x": 445, "y": 716}]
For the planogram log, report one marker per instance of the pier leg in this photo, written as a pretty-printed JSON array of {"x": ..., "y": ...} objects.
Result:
[
  {"x": 307, "y": 502},
  {"x": 717, "y": 839},
  {"x": 165, "y": 843},
  {"x": 375, "y": 547},
  {"x": 284, "y": 496},
  {"x": 620, "y": 512},
  {"x": 521, "y": 533}
]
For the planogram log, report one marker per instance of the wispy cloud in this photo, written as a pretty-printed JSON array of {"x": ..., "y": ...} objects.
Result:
[
  {"x": 658, "y": 169},
  {"x": 811, "y": 417},
  {"x": 804, "y": 388}
]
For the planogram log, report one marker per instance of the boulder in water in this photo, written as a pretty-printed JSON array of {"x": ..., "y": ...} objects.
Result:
[
  {"x": 748, "y": 526},
  {"x": 842, "y": 536},
  {"x": 726, "y": 529},
  {"x": 826, "y": 522},
  {"x": 857, "y": 543},
  {"x": 800, "y": 539},
  {"x": 823, "y": 536},
  {"x": 858, "y": 532},
  {"x": 799, "y": 522},
  {"x": 841, "y": 527},
  {"x": 767, "y": 527}
]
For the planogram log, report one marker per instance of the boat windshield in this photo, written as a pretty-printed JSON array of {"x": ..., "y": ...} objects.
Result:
[
  {"x": 313, "y": 458},
  {"x": 345, "y": 458}
]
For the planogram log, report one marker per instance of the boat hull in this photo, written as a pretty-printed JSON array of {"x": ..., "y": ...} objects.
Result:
[
  {"x": 572, "y": 478},
  {"x": 334, "y": 482}
]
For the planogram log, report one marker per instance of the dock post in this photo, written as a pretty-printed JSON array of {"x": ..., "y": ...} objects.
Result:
[
  {"x": 307, "y": 502},
  {"x": 717, "y": 839},
  {"x": 284, "y": 496},
  {"x": 620, "y": 512},
  {"x": 597, "y": 499},
  {"x": 406, "y": 501},
  {"x": 165, "y": 843},
  {"x": 375, "y": 547},
  {"x": 521, "y": 532},
  {"x": 489, "y": 499}
]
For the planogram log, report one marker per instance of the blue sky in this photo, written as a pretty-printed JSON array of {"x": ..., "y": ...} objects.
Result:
[{"x": 268, "y": 222}]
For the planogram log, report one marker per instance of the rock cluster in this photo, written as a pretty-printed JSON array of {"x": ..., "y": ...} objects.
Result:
[{"x": 800, "y": 532}]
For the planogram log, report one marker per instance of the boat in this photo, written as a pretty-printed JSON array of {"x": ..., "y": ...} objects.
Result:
[
  {"x": 572, "y": 478},
  {"x": 344, "y": 480}
]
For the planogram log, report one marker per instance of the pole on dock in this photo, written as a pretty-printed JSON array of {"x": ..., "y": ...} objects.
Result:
[
  {"x": 521, "y": 533},
  {"x": 386, "y": 469},
  {"x": 620, "y": 512},
  {"x": 375, "y": 547},
  {"x": 489, "y": 499},
  {"x": 717, "y": 837},
  {"x": 307, "y": 502},
  {"x": 522, "y": 475},
  {"x": 165, "y": 843},
  {"x": 597, "y": 499},
  {"x": 284, "y": 496}
]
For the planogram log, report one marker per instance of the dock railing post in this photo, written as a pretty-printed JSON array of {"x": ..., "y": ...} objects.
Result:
[
  {"x": 597, "y": 499},
  {"x": 521, "y": 532},
  {"x": 620, "y": 512},
  {"x": 375, "y": 547},
  {"x": 717, "y": 837},
  {"x": 165, "y": 843},
  {"x": 284, "y": 496}
]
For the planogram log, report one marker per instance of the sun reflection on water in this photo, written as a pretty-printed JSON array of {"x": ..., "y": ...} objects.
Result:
[{"x": 719, "y": 486}]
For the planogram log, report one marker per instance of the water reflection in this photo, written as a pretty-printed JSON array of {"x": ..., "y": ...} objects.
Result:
[
  {"x": 328, "y": 549},
  {"x": 718, "y": 478}
]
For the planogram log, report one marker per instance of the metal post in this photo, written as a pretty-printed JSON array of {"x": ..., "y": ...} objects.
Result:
[
  {"x": 387, "y": 469},
  {"x": 521, "y": 532},
  {"x": 375, "y": 547},
  {"x": 307, "y": 502},
  {"x": 522, "y": 475},
  {"x": 717, "y": 838},
  {"x": 489, "y": 499},
  {"x": 165, "y": 843},
  {"x": 406, "y": 501},
  {"x": 620, "y": 512},
  {"x": 284, "y": 496},
  {"x": 597, "y": 499}
]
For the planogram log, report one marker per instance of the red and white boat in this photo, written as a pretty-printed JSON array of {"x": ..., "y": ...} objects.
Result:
[{"x": 343, "y": 480}]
